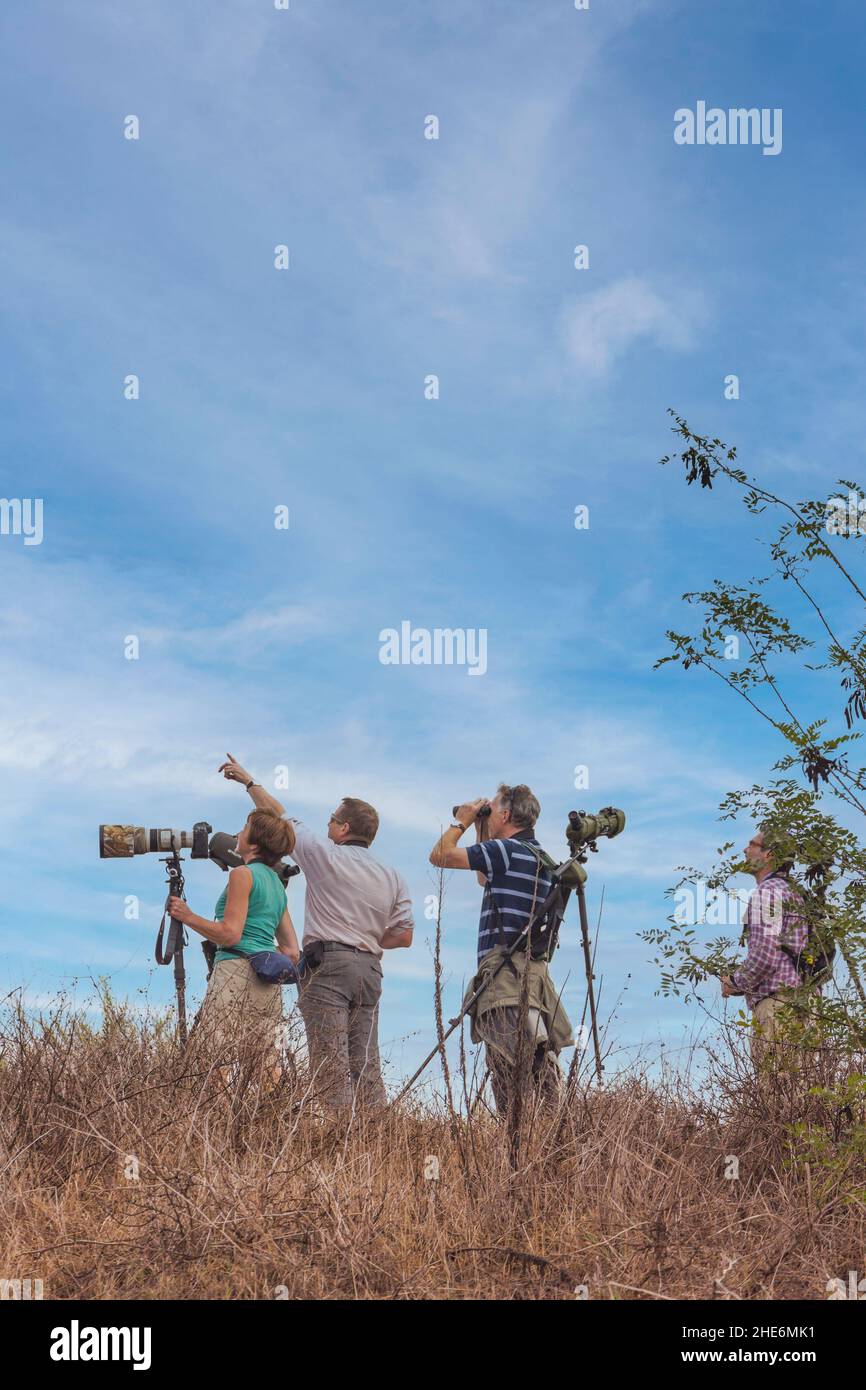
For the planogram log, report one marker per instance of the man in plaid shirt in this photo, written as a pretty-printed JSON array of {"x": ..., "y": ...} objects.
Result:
[{"x": 775, "y": 914}]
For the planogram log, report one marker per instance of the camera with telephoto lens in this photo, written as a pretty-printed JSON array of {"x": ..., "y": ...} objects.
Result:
[{"x": 124, "y": 841}]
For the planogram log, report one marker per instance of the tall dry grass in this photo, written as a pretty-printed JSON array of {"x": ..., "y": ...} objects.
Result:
[{"x": 131, "y": 1170}]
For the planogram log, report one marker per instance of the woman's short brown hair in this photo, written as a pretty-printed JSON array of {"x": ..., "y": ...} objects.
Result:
[{"x": 272, "y": 836}]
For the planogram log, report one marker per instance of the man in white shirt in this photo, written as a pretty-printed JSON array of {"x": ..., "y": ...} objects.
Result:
[{"x": 355, "y": 909}]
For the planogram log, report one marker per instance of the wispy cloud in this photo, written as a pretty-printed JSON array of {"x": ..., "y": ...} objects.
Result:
[{"x": 600, "y": 327}]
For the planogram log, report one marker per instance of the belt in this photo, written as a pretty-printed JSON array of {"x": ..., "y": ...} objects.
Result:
[{"x": 341, "y": 946}]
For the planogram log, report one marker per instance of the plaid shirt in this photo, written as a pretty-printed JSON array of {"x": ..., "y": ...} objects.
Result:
[{"x": 775, "y": 911}]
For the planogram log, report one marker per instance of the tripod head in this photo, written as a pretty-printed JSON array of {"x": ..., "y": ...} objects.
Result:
[{"x": 173, "y": 873}]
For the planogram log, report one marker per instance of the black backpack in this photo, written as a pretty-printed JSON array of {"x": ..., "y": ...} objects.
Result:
[
  {"x": 814, "y": 961},
  {"x": 545, "y": 922}
]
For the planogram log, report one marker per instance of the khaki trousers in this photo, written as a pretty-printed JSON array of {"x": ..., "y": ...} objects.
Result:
[
  {"x": 240, "y": 1012},
  {"x": 339, "y": 1003},
  {"x": 769, "y": 1018}
]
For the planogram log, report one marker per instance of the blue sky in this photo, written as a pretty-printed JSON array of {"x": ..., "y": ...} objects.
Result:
[{"x": 306, "y": 388}]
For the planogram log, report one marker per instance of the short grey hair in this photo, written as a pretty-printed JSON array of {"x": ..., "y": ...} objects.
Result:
[{"x": 522, "y": 803}]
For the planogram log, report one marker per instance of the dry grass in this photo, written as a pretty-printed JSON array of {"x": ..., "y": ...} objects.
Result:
[{"x": 130, "y": 1171}]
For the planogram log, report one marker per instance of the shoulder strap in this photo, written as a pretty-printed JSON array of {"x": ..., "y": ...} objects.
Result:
[
  {"x": 544, "y": 862},
  {"x": 551, "y": 911},
  {"x": 210, "y": 949},
  {"x": 541, "y": 909},
  {"x": 541, "y": 855}
]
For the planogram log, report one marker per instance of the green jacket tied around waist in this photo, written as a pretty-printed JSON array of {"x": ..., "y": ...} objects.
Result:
[{"x": 504, "y": 991}]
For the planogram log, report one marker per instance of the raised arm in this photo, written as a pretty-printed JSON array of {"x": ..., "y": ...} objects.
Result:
[
  {"x": 446, "y": 853},
  {"x": 262, "y": 800}
]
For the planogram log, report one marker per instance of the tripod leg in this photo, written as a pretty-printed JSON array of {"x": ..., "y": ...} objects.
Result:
[
  {"x": 180, "y": 991},
  {"x": 587, "y": 957}
]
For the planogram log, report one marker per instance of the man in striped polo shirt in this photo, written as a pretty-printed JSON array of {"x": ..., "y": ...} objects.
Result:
[{"x": 516, "y": 883}]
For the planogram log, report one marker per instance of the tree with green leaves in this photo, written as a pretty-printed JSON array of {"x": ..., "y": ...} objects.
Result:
[{"x": 811, "y": 807}]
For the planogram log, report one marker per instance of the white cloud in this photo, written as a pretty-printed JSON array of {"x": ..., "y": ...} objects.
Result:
[{"x": 600, "y": 327}]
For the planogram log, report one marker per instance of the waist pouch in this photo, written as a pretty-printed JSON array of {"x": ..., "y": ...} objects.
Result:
[
  {"x": 312, "y": 956},
  {"x": 271, "y": 967}
]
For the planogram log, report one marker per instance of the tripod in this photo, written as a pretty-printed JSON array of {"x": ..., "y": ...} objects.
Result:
[
  {"x": 176, "y": 939},
  {"x": 567, "y": 876},
  {"x": 590, "y": 973}
]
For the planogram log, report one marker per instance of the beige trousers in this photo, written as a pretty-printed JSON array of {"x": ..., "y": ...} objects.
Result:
[
  {"x": 769, "y": 1017},
  {"x": 240, "y": 1012}
]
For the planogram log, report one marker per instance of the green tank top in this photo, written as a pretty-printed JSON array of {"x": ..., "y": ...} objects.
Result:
[{"x": 267, "y": 903}]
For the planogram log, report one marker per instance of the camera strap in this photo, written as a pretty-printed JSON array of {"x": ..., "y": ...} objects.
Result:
[{"x": 176, "y": 937}]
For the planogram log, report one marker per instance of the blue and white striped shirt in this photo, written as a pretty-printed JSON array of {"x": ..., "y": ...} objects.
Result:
[{"x": 516, "y": 885}]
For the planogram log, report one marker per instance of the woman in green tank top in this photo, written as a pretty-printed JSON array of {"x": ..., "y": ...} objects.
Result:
[{"x": 250, "y": 915}]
